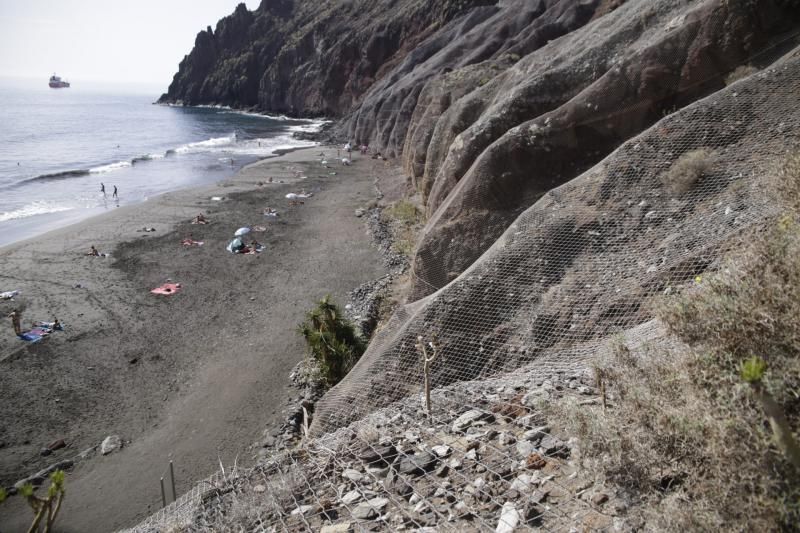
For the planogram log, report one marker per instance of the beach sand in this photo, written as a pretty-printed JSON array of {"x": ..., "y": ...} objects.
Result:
[{"x": 194, "y": 377}]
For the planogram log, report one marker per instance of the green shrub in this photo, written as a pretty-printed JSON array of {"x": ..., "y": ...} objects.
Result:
[
  {"x": 332, "y": 340},
  {"x": 45, "y": 510}
]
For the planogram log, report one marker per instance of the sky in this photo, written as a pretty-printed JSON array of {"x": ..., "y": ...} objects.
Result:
[{"x": 110, "y": 41}]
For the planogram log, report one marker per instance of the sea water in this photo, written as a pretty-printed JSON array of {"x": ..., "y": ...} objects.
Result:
[{"x": 58, "y": 145}]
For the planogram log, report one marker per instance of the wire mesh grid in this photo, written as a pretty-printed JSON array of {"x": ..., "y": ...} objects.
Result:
[{"x": 519, "y": 328}]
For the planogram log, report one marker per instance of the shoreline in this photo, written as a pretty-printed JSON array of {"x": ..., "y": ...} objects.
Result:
[
  {"x": 51, "y": 222},
  {"x": 195, "y": 377}
]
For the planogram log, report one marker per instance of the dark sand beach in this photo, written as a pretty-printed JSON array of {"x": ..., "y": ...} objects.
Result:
[{"x": 194, "y": 377}]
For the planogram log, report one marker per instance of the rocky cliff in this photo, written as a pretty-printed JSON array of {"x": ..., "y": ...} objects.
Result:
[
  {"x": 307, "y": 58},
  {"x": 488, "y": 104},
  {"x": 577, "y": 161}
]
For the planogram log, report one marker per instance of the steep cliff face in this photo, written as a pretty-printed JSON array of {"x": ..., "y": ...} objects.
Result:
[
  {"x": 489, "y": 104},
  {"x": 565, "y": 85},
  {"x": 306, "y": 58}
]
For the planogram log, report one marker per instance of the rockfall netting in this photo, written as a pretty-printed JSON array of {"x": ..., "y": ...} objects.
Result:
[{"x": 519, "y": 327}]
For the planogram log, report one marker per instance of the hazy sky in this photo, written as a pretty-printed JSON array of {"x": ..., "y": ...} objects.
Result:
[{"x": 103, "y": 40}]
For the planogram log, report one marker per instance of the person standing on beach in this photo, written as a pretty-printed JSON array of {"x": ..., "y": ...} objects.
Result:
[
  {"x": 103, "y": 188},
  {"x": 115, "y": 192},
  {"x": 15, "y": 317}
]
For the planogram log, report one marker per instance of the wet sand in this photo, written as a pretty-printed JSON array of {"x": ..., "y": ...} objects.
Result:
[{"x": 194, "y": 377}]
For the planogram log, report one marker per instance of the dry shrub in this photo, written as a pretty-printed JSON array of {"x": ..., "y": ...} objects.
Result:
[
  {"x": 740, "y": 73},
  {"x": 405, "y": 212},
  {"x": 687, "y": 170},
  {"x": 683, "y": 434}
]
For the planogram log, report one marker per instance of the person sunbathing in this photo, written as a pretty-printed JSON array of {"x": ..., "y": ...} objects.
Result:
[
  {"x": 93, "y": 252},
  {"x": 270, "y": 212},
  {"x": 200, "y": 219}
]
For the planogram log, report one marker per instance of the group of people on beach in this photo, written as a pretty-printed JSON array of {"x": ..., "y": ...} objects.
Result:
[
  {"x": 16, "y": 323},
  {"x": 103, "y": 190}
]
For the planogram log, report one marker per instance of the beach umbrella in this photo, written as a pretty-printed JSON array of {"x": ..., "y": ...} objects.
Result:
[
  {"x": 242, "y": 231},
  {"x": 234, "y": 245}
]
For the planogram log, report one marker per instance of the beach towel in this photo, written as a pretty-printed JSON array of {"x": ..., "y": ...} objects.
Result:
[
  {"x": 259, "y": 229},
  {"x": 167, "y": 289},
  {"x": 295, "y": 196},
  {"x": 8, "y": 295},
  {"x": 30, "y": 336},
  {"x": 272, "y": 214}
]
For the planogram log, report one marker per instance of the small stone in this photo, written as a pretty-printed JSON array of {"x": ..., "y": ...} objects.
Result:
[
  {"x": 467, "y": 419},
  {"x": 536, "y": 434},
  {"x": 351, "y": 497},
  {"x": 600, "y": 498},
  {"x": 538, "y": 496},
  {"x": 369, "y": 509},
  {"x": 344, "y": 527},
  {"x": 454, "y": 463},
  {"x": 414, "y": 499},
  {"x": 525, "y": 448},
  {"x": 378, "y": 455},
  {"x": 85, "y": 454},
  {"x": 353, "y": 475},
  {"x": 259, "y": 488},
  {"x": 472, "y": 455},
  {"x": 462, "y": 509},
  {"x": 523, "y": 483},
  {"x": 45, "y": 452},
  {"x": 110, "y": 444},
  {"x": 442, "y": 451},
  {"x": 303, "y": 510},
  {"x": 442, "y": 471},
  {"x": 553, "y": 446},
  {"x": 417, "y": 464},
  {"x": 506, "y": 439},
  {"x": 360, "y": 212},
  {"x": 509, "y": 518},
  {"x": 381, "y": 472},
  {"x": 57, "y": 445},
  {"x": 535, "y": 461}
]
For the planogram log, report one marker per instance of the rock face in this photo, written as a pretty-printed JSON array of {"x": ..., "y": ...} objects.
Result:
[
  {"x": 580, "y": 265},
  {"x": 488, "y": 104},
  {"x": 305, "y": 58}
]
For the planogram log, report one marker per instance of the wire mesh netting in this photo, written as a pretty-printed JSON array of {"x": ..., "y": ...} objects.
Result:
[{"x": 520, "y": 327}]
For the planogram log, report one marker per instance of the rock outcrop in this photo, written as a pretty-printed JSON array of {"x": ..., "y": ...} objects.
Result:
[{"x": 306, "y": 58}]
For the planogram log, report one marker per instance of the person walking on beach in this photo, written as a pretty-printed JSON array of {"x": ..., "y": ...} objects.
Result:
[
  {"x": 103, "y": 188},
  {"x": 115, "y": 192},
  {"x": 15, "y": 317}
]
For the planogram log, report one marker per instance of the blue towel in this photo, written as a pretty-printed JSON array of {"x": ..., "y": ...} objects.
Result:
[{"x": 30, "y": 336}]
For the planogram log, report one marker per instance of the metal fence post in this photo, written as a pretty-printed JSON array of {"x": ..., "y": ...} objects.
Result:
[{"x": 172, "y": 481}]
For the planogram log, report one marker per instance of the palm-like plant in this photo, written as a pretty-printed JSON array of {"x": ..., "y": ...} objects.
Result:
[{"x": 332, "y": 340}]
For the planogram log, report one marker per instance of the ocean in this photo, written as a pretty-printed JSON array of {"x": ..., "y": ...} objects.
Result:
[{"x": 58, "y": 145}]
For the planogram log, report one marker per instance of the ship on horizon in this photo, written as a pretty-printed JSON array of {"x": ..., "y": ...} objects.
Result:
[{"x": 57, "y": 83}]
